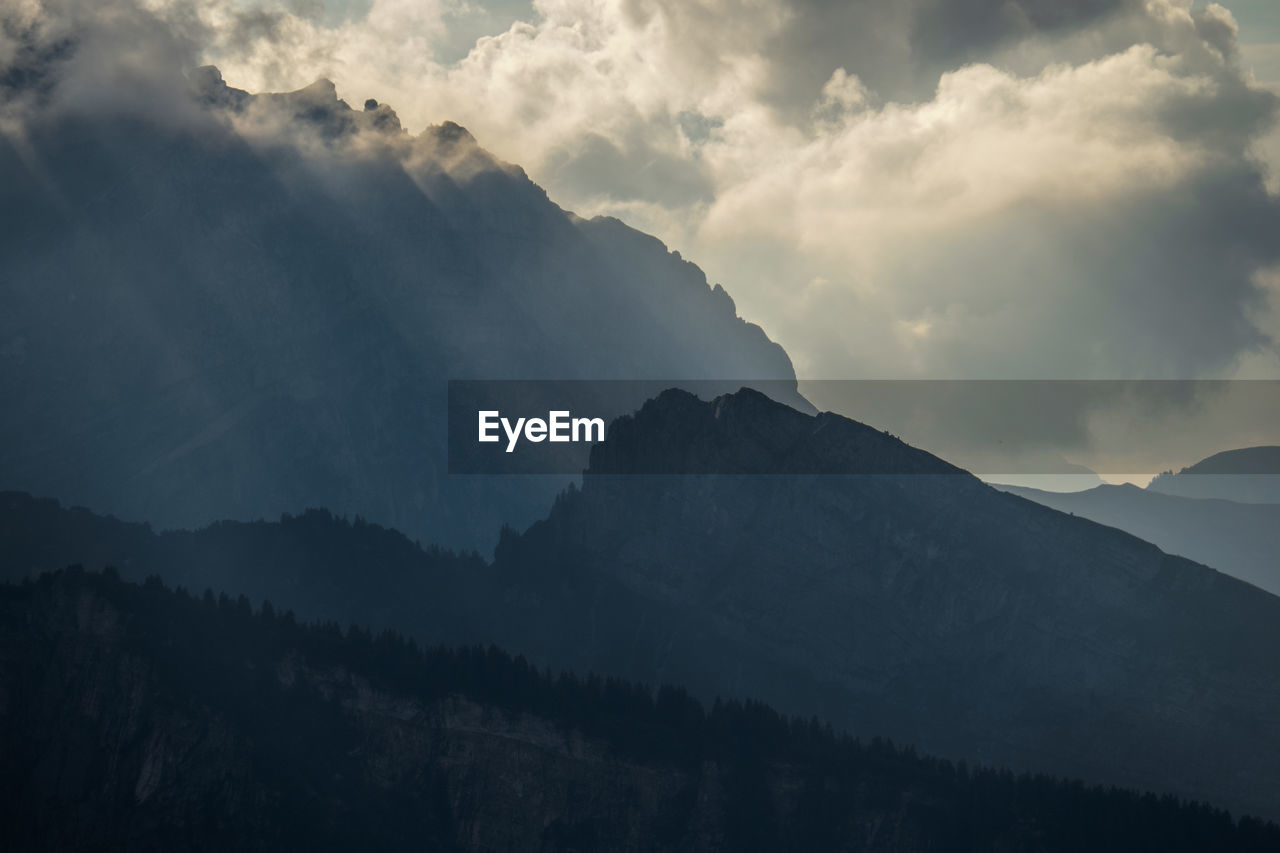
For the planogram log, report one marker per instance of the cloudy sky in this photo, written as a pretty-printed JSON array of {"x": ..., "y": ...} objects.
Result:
[
  {"x": 941, "y": 189},
  {"x": 893, "y": 188}
]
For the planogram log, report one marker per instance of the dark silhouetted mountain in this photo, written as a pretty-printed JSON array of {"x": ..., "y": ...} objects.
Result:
[
  {"x": 224, "y": 305},
  {"x": 1241, "y": 539},
  {"x": 331, "y": 569},
  {"x": 929, "y": 606},
  {"x": 325, "y": 568},
  {"x": 1248, "y": 475},
  {"x": 138, "y": 718}
]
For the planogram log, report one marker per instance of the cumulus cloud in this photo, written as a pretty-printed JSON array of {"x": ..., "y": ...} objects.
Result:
[{"x": 1094, "y": 219}]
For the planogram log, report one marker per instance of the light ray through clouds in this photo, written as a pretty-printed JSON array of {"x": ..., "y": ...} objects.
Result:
[{"x": 1081, "y": 193}]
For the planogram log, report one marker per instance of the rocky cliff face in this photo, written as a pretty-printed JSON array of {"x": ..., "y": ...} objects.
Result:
[
  {"x": 266, "y": 294},
  {"x": 929, "y": 606}
]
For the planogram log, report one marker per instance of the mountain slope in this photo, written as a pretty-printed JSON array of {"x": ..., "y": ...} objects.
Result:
[
  {"x": 1241, "y": 539},
  {"x": 334, "y": 570},
  {"x": 1247, "y": 475},
  {"x": 324, "y": 568},
  {"x": 246, "y": 731},
  {"x": 265, "y": 295},
  {"x": 938, "y": 610}
]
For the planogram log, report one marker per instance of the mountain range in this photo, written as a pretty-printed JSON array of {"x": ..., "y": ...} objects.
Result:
[
  {"x": 894, "y": 595},
  {"x": 1239, "y": 538}
]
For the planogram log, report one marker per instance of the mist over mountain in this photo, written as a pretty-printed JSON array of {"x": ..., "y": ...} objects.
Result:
[
  {"x": 1247, "y": 475},
  {"x": 225, "y": 305},
  {"x": 1241, "y": 539}
]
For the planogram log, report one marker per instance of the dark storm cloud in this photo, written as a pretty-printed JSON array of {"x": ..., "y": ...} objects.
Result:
[
  {"x": 949, "y": 34},
  {"x": 634, "y": 170},
  {"x": 900, "y": 48}
]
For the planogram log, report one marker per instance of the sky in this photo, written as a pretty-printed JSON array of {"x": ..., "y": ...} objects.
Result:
[
  {"x": 941, "y": 189},
  {"x": 1259, "y": 22}
]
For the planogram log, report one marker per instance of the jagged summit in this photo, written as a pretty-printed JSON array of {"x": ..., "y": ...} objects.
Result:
[
  {"x": 317, "y": 105},
  {"x": 452, "y": 132},
  {"x": 747, "y": 432},
  {"x": 318, "y": 109},
  {"x": 208, "y": 87}
]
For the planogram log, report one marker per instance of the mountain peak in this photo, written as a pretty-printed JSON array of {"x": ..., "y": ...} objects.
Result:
[
  {"x": 322, "y": 90},
  {"x": 452, "y": 132},
  {"x": 747, "y": 432},
  {"x": 207, "y": 86},
  {"x": 316, "y": 105}
]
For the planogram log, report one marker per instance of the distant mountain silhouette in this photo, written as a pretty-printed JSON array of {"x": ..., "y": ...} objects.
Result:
[
  {"x": 334, "y": 569},
  {"x": 1248, "y": 475},
  {"x": 252, "y": 303},
  {"x": 136, "y": 717},
  {"x": 1241, "y": 539},
  {"x": 1247, "y": 460},
  {"x": 322, "y": 567}
]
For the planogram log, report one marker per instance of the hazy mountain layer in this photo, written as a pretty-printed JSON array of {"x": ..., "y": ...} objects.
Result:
[
  {"x": 1247, "y": 475},
  {"x": 136, "y": 718},
  {"x": 332, "y": 569},
  {"x": 1241, "y": 539},
  {"x": 229, "y": 305}
]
